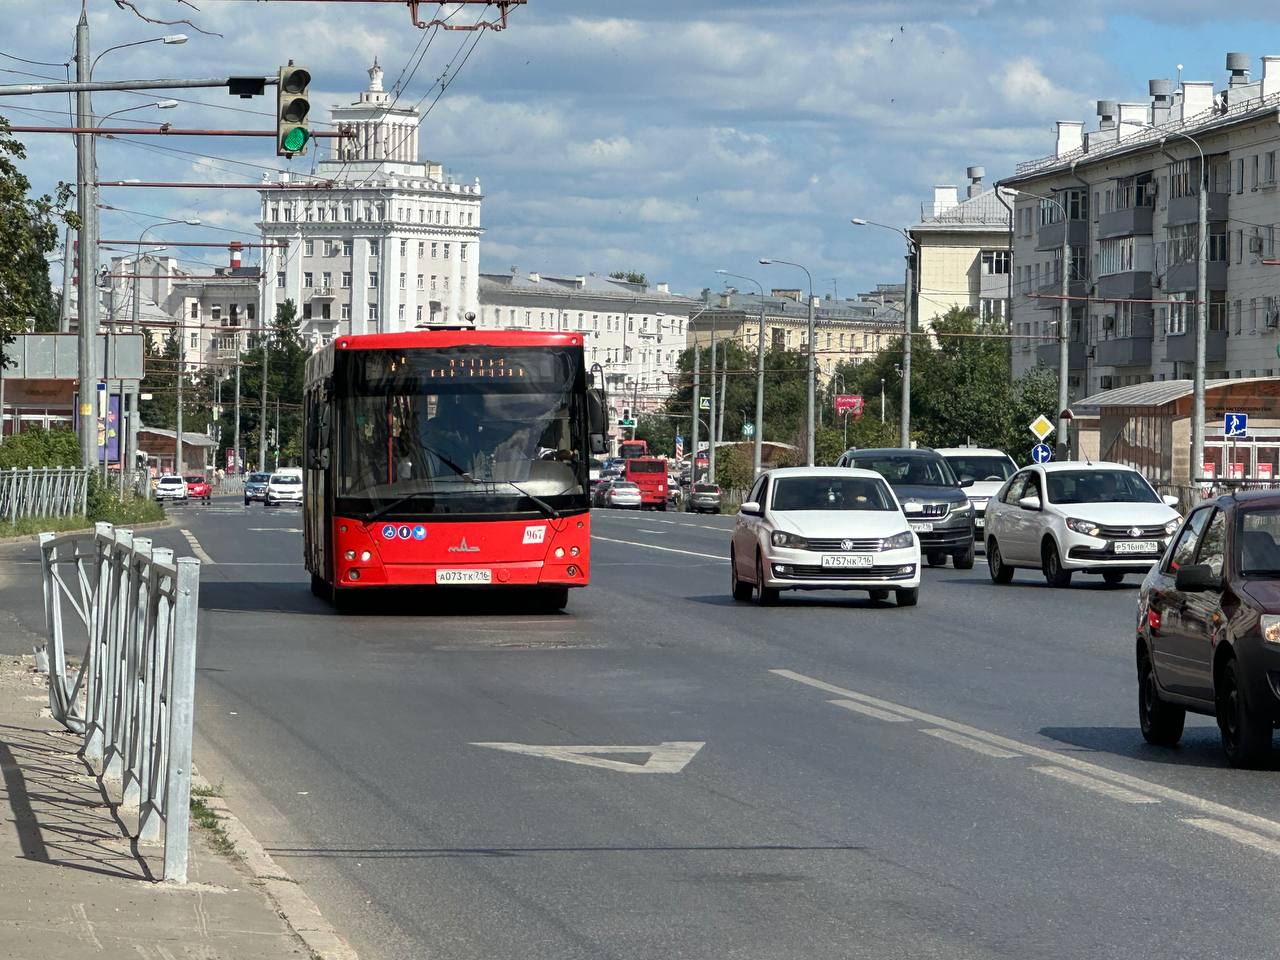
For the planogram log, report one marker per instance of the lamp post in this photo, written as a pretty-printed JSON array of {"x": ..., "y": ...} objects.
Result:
[
  {"x": 908, "y": 310},
  {"x": 882, "y": 399},
  {"x": 759, "y": 434},
  {"x": 811, "y": 366}
]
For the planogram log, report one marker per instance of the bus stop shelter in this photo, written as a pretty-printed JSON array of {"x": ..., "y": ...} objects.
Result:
[{"x": 1148, "y": 426}]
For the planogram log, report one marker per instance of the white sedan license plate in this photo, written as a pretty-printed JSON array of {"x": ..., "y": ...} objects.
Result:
[
  {"x": 844, "y": 560},
  {"x": 464, "y": 576},
  {"x": 980, "y": 522},
  {"x": 921, "y": 527},
  {"x": 1137, "y": 546}
]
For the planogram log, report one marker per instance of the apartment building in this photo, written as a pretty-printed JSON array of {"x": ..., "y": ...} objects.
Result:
[
  {"x": 1126, "y": 197},
  {"x": 377, "y": 240},
  {"x": 635, "y": 331},
  {"x": 963, "y": 252}
]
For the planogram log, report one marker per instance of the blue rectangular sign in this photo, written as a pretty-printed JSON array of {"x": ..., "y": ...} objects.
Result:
[{"x": 1235, "y": 425}]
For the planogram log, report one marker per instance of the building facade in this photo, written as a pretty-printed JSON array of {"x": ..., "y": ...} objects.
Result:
[
  {"x": 1126, "y": 196},
  {"x": 963, "y": 252},
  {"x": 377, "y": 241},
  {"x": 635, "y": 331}
]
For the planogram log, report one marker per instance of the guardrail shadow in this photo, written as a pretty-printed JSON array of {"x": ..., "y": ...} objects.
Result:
[{"x": 60, "y": 815}]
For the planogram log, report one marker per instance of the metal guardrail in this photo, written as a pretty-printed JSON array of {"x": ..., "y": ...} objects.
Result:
[
  {"x": 42, "y": 492},
  {"x": 138, "y": 606},
  {"x": 1189, "y": 495}
]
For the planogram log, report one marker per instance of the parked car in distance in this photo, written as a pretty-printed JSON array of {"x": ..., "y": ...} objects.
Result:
[
  {"x": 284, "y": 487},
  {"x": 1209, "y": 627},
  {"x": 255, "y": 487},
  {"x": 933, "y": 500},
  {"x": 704, "y": 498},
  {"x": 823, "y": 528},
  {"x": 622, "y": 493},
  {"x": 171, "y": 487},
  {"x": 1068, "y": 517},
  {"x": 198, "y": 488},
  {"x": 987, "y": 468}
]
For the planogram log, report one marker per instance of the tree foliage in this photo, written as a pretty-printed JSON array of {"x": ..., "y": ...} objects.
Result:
[
  {"x": 34, "y": 447},
  {"x": 630, "y": 276},
  {"x": 28, "y": 231}
]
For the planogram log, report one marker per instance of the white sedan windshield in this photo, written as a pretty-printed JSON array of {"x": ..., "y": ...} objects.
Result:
[{"x": 831, "y": 493}]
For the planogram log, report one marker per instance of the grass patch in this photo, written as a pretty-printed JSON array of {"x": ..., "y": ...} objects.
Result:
[
  {"x": 119, "y": 513},
  {"x": 207, "y": 820},
  {"x": 209, "y": 791}
]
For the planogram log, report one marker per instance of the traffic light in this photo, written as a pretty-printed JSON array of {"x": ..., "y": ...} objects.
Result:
[{"x": 292, "y": 106}]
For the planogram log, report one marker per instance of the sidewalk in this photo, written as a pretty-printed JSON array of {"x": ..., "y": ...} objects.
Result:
[{"x": 71, "y": 884}]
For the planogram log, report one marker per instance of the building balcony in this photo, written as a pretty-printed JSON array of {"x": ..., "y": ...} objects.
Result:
[
  {"x": 1187, "y": 209},
  {"x": 1134, "y": 222},
  {"x": 1050, "y": 294},
  {"x": 322, "y": 293},
  {"x": 1130, "y": 285},
  {"x": 1047, "y": 353},
  {"x": 1181, "y": 277},
  {"x": 1049, "y": 237},
  {"x": 1131, "y": 351},
  {"x": 1181, "y": 347}
]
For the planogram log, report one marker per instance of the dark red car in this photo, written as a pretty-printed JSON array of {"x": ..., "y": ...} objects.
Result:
[{"x": 198, "y": 489}]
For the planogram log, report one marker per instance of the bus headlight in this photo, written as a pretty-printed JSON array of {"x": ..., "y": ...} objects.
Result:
[
  {"x": 350, "y": 554},
  {"x": 365, "y": 555},
  {"x": 559, "y": 552}
]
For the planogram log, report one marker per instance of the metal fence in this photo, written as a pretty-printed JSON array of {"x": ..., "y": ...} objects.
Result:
[
  {"x": 1191, "y": 494},
  {"x": 132, "y": 696},
  {"x": 42, "y": 492}
]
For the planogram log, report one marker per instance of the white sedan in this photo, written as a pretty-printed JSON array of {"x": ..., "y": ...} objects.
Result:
[
  {"x": 171, "y": 487},
  {"x": 823, "y": 528}
]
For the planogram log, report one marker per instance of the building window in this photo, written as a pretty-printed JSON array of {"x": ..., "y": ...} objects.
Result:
[
  {"x": 995, "y": 262},
  {"x": 462, "y": 251},
  {"x": 195, "y": 310},
  {"x": 195, "y": 341},
  {"x": 280, "y": 280},
  {"x": 346, "y": 279},
  {"x": 251, "y": 311},
  {"x": 433, "y": 282},
  {"x": 993, "y": 308},
  {"x": 373, "y": 313},
  {"x": 435, "y": 251},
  {"x": 402, "y": 280},
  {"x": 346, "y": 248},
  {"x": 1237, "y": 172},
  {"x": 1183, "y": 175},
  {"x": 275, "y": 213},
  {"x": 308, "y": 279},
  {"x": 306, "y": 310},
  {"x": 417, "y": 313},
  {"x": 326, "y": 280},
  {"x": 373, "y": 278},
  {"x": 325, "y": 312},
  {"x": 404, "y": 248},
  {"x": 344, "y": 312},
  {"x": 373, "y": 249},
  {"x": 215, "y": 313},
  {"x": 446, "y": 251},
  {"x": 421, "y": 249},
  {"x": 400, "y": 313},
  {"x": 308, "y": 248}
]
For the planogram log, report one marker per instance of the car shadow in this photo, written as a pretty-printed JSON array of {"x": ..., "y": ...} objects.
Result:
[
  {"x": 1200, "y": 745},
  {"x": 799, "y": 599},
  {"x": 296, "y": 598},
  {"x": 1092, "y": 583}
]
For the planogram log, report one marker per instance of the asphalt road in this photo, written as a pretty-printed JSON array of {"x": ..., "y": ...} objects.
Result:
[{"x": 963, "y": 779}]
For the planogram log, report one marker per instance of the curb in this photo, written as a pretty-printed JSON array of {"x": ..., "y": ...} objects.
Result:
[
  {"x": 35, "y": 537},
  {"x": 296, "y": 908}
]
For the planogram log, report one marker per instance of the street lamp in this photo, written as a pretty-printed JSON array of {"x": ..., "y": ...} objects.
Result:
[
  {"x": 174, "y": 38},
  {"x": 812, "y": 370},
  {"x": 756, "y": 452},
  {"x": 908, "y": 309},
  {"x": 158, "y": 105}
]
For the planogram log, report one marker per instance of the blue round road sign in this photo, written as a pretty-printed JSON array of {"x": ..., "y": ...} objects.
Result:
[{"x": 1041, "y": 453}]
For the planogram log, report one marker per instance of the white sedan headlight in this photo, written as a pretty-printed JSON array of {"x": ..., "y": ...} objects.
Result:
[
  {"x": 781, "y": 538},
  {"x": 1172, "y": 526},
  {"x": 1087, "y": 527},
  {"x": 899, "y": 541}
]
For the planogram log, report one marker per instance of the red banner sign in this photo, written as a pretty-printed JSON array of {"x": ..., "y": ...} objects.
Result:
[{"x": 849, "y": 403}]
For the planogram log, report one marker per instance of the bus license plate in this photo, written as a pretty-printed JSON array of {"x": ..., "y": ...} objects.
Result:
[
  {"x": 1137, "y": 546},
  {"x": 830, "y": 560},
  {"x": 464, "y": 576},
  {"x": 921, "y": 527}
]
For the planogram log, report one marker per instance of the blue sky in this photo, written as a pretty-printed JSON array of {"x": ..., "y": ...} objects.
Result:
[{"x": 668, "y": 136}]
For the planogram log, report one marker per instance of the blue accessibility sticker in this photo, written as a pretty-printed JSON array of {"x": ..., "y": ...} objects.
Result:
[
  {"x": 419, "y": 532},
  {"x": 405, "y": 532},
  {"x": 389, "y": 532}
]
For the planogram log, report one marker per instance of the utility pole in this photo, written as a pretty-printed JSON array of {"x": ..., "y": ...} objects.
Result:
[
  {"x": 697, "y": 370},
  {"x": 262, "y": 422},
  {"x": 1064, "y": 330},
  {"x": 759, "y": 431},
  {"x": 277, "y": 436},
  {"x": 182, "y": 375},
  {"x": 1202, "y": 326},
  {"x": 236, "y": 441},
  {"x": 724, "y": 391},
  {"x": 87, "y": 208},
  {"x": 711, "y": 420},
  {"x": 68, "y": 271},
  {"x": 908, "y": 321}
]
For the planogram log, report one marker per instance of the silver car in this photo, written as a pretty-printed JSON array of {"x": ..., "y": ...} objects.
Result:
[{"x": 622, "y": 493}]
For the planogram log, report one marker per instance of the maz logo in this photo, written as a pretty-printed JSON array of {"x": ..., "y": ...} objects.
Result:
[{"x": 464, "y": 548}]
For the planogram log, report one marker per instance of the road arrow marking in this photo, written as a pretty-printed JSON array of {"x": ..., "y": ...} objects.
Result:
[{"x": 670, "y": 756}]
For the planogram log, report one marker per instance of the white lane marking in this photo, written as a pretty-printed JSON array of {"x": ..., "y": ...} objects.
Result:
[
  {"x": 863, "y": 709},
  {"x": 670, "y": 756},
  {"x": 1247, "y": 837},
  {"x": 646, "y": 530},
  {"x": 651, "y": 546},
  {"x": 81, "y": 917},
  {"x": 1200, "y": 804},
  {"x": 1097, "y": 786},
  {"x": 977, "y": 746},
  {"x": 198, "y": 550},
  {"x": 677, "y": 523},
  {"x": 275, "y": 529}
]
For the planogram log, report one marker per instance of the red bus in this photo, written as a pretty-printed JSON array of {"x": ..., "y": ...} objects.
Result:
[
  {"x": 632, "y": 448},
  {"x": 650, "y": 475},
  {"x": 450, "y": 456}
]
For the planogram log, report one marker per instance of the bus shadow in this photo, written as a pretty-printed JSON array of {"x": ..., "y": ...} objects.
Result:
[{"x": 296, "y": 598}]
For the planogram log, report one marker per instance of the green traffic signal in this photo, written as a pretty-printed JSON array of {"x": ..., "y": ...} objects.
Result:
[{"x": 295, "y": 139}]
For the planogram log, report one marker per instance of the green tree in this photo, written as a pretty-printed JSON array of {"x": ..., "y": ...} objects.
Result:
[
  {"x": 1033, "y": 394},
  {"x": 630, "y": 276},
  {"x": 286, "y": 382},
  {"x": 34, "y": 447},
  {"x": 657, "y": 431},
  {"x": 28, "y": 231},
  {"x": 160, "y": 360},
  {"x": 734, "y": 469}
]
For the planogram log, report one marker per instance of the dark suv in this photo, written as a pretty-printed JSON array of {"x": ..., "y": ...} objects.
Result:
[
  {"x": 1209, "y": 627},
  {"x": 933, "y": 499}
]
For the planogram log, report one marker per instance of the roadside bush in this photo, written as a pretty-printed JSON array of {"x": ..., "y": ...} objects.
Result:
[
  {"x": 103, "y": 504},
  {"x": 34, "y": 447}
]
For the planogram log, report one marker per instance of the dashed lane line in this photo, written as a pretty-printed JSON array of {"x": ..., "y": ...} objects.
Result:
[
  {"x": 873, "y": 712},
  {"x": 1246, "y": 837},
  {"x": 654, "y": 546},
  {"x": 198, "y": 550},
  {"x": 1122, "y": 794},
  {"x": 1268, "y": 829},
  {"x": 977, "y": 746}
]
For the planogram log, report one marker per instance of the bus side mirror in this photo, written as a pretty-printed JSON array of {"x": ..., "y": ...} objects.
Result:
[{"x": 598, "y": 422}]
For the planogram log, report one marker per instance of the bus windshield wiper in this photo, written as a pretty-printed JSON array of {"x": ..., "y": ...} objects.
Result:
[
  {"x": 401, "y": 501},
  {"x": 547, "y": 509}
]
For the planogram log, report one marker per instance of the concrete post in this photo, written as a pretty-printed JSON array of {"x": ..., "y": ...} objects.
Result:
[{"x": 87, "y": 207}]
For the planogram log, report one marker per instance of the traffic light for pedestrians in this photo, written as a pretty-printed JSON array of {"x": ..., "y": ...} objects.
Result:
[{"x": 293, "y": 104}]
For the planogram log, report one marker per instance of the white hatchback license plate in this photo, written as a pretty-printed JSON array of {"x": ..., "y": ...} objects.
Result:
[
  {"x": 838, "y": 560},
  {"x": 921, "y": 527},
  {"x": 1137, "y": 546},
  {"x": 464, "y": 576}
]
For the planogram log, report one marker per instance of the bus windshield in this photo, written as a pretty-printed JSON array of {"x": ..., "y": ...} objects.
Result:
[{"x": 461, "y": 430}]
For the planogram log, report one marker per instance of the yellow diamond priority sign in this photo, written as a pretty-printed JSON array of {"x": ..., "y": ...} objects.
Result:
[{"x": 1041, "y": 427}]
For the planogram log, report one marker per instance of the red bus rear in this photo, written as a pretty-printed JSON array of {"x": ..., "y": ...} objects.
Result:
[
  {"x": 450, "y": 457},
  {"x": 633, "y": 448},
  {"x": 650, "y": 475}
]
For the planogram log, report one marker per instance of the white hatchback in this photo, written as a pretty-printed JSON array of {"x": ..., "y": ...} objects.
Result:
[
  {"x": 283, "y": 488},
  {"x": 823, "y": 528},
  {"x": 1067, "y": 517},
  {"x": 987, "y": 468},
  {"x": 171, "y": 487}
]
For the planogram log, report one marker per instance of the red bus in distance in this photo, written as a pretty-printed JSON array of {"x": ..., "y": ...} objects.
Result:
[
  {"x": 450, "y": 457},
  {"x": 632, "y": 448},
  {"x": 650, "y": 475}
]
